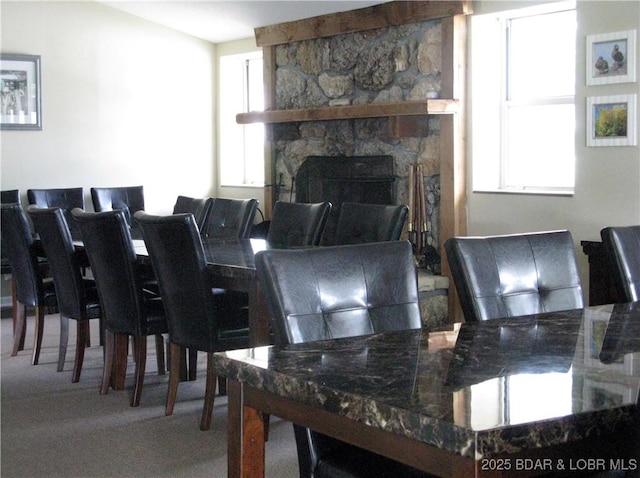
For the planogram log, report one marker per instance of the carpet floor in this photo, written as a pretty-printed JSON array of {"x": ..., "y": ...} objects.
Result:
[{"x": 54, "y": 428}]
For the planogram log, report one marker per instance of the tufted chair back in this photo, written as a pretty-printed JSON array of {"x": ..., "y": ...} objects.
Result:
[
  {"x": 199, "y": 207},
  {"x": 297, "y": 224},
  {"x": 67, "y": 199},
  {"x": 512, "y": 275},
  {"x": 361, "y": 223},
  {"x": 230, "y": 218},
  {"x": 341, "y": 291},
  {"x": 622, "y": 246},
  {"x": 333, "y": 292},
  {"x": 128, "y": 199}
]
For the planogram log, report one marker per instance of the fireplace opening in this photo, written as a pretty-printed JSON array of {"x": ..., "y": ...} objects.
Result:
[{"x": 340, "y": 179}]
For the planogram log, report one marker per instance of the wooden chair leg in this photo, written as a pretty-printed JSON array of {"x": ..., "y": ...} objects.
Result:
[
  {"x": 209, "y": 395},
  {"x": 140, "y": 352},
  {"x": 162, "y": 366},
  {"x": 109, "y": 353},
  {"x": 20, "y": 327},
  {"x": 64, "y": 341},
  {"x": 15, "y": 310},
  {"x": 175, "y": 368},
  {"x": 82, "y": 343},
  {"x": 37, "y": 342}
]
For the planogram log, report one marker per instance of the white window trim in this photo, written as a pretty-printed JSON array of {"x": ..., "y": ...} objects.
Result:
[
  {"x": 224, "y": 120},
  {"x": 497, "y": 166}
]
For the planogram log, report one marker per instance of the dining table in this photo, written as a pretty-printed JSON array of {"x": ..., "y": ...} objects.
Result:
[{"x": 522, "y": 396}]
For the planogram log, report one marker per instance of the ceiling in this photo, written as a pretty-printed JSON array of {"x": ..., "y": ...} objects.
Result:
[{"x": 220, "y": 21}]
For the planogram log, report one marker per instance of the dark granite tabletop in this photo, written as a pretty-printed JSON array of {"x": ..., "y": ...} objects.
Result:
[
  {"x": 227, "y": 258},
  {"x": 473, "y": 389}
]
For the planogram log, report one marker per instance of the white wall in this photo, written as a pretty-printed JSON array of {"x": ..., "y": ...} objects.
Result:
[
  {"x": 607, "y": 189},
  {"x": 124, "y": 102}
]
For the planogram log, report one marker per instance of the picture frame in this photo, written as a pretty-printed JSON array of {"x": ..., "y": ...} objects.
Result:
[
  {"x": 21, "y": 107},
  {"x": 611, "y": 120},
  {"x": 611, "y": 58}
]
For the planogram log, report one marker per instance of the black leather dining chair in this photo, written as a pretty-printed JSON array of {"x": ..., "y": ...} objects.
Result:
[
  {"x": 77, "y": 296},
  {"x": 360, "y": 223},
  {"x": 517, "y": 274},
  {"x": 333, "y": 292},
  {"x": 195, "y": 321},
  {"x": 127, "y": 309},
  {"x": 622, "y": 249},
  {"x": 230, "y": 218},
  {"x": 65, "y": 198},
  {"x": 199, "y": 207},
  {"x": 128, "y": 199},
  {"x": 297, "y": 224},
  {"x": 32, "y": 288}
]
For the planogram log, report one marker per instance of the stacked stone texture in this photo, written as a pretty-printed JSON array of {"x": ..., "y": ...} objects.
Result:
[{"x": 393, "y": 64}]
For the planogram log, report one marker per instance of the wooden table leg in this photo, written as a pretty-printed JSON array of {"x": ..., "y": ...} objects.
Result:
[
  {"x": 258, "y": 317},
  {"x": 246, "y": 437}
]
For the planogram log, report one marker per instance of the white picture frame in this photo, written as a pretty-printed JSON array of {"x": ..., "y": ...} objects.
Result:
[
  {"x": 611, "y": 120},
  {"x": 602, "y": 66}
]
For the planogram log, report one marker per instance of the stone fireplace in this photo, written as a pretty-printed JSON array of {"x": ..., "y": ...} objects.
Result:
[
  {"x": 391, "y": 64},
  {"x": 381, "y": 81}
]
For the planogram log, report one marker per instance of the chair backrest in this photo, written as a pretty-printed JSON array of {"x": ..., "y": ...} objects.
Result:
[
  {"x": 333, "y": 292},
  {"x": 175, "y": 248},
  {"x": 512, "y": 275},
  {"x": 51, "y": 226},
  {"x": 361, "y": 223},
  {"x": 230, "y": 218},
  {"x": 65, "y": 198},
  {"x": 297, "y": 224},
  {"x": 22, "y": 254},
  {"x": 109, "y": 247},
  {"x": 339, "y": 291},
  {"x": 199, "y": 207},
  {"x": 622, "y": 248},
  {"x": 129, "y": 199},
  {"x": 9, "y": 196}
]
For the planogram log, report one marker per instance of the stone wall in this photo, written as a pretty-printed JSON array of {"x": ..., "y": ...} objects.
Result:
[{"x": 398, "y": 63}]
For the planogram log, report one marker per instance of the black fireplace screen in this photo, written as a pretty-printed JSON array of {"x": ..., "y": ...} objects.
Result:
[{"x": 339, "y": 179}]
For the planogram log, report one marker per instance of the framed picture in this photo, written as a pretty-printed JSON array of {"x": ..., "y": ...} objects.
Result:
[
  {"x": 611, "y": 58},
  {"x": 21, "y": 98},
  {"x": 611, "y": 120}
]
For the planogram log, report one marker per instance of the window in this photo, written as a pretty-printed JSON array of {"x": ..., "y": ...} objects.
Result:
[
  {"x": 523, "y": 100},
  {"x": 241, "y": 146}
]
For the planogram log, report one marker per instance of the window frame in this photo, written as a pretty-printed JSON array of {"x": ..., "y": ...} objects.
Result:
[
  {"x": 490, "y": 161},
  {"x": 227, "y": 129}
]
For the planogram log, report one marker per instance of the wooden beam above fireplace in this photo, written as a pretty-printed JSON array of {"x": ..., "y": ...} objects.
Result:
[
  {"x": 369, "y": 18},
  {"x": 370, "y": 110}
]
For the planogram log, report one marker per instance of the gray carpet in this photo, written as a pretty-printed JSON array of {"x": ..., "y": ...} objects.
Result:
[{"x": 54, "y": 428}]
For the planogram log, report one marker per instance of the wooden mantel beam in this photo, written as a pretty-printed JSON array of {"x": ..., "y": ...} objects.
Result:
[{"x": 377, "y": 16}]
